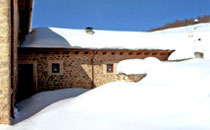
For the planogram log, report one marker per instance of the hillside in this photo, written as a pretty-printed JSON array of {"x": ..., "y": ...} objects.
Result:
[
  {"x": 181, "y": 23},
  {"x": 191, "y": 38}
]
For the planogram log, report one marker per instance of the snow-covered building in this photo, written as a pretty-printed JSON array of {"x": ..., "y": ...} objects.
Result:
[{"x": 54, "y": 58}]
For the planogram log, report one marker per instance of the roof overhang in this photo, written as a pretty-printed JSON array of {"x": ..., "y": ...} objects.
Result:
[
  {"x": 32, "y": 49},
  {"x": 25, "y": 16}
]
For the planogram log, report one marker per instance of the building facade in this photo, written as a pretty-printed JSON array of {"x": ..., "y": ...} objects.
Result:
[{"x": 57, "y": 68}]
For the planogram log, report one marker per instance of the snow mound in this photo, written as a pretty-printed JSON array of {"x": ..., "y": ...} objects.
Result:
[
  {"x": 190, "y": 73},
  {"x": 137, "y": 66},
  {"x": 173, "y": 96}
]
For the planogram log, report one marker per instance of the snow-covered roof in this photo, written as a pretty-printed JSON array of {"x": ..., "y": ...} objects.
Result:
[{"x": 101, "y": 39}]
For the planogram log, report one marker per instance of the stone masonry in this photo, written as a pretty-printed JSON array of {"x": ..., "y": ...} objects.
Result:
[
  {"x": 80, "y": 68},
  {"x": 5, "y": 39}
]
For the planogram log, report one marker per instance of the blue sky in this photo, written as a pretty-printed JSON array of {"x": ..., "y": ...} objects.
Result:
[{"x": 131, "y": 15}]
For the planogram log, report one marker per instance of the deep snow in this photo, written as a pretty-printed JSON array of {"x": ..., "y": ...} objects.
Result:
[
  {"x": 137, "y": 66},
  {"x": 28, "y": 107},
  {"x": 173, "y": 95}
]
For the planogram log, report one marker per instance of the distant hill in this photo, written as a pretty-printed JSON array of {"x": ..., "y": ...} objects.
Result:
[{"x": 180, "y": 23}]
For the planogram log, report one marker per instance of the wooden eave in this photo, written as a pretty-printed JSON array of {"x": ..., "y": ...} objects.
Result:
[{"x": 25, "y": 16}]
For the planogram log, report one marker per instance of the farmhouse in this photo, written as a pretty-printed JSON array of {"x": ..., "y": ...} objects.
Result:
[
  {"x": 52, "y": 58},
  {"x": 55, "y": 58}
]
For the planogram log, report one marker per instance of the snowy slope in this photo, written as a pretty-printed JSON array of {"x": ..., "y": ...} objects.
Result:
[
  {"x": 174, "y": 96},
  {"x": 195, "y": 37}
]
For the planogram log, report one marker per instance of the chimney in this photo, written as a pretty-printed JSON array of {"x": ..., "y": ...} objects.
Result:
[
  {"x": 196, "y": 21},
  {"x": 89, "y": 30}
]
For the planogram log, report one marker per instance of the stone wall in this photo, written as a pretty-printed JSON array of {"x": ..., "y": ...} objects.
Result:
[
  {"x": 75, "y": 69},
  {"x": 80, "y": 68},
  {"x": 5, "y": 40},
  {"x": 113, "y": 57}
]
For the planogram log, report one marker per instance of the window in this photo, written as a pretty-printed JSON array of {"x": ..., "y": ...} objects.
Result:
[
  {"x": 55, "y": 68},
  {"x": 109, "y": 68}
]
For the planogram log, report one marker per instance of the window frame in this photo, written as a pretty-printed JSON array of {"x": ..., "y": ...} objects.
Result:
[
  {"x": 57, "y": 66},
  {"x": 112, "y": 68},
  {"x": 105, "y": 68},
  {"x": 50, "y": 67}
]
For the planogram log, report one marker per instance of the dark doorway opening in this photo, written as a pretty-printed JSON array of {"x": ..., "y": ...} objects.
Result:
[{"x": 25, "y": 81}]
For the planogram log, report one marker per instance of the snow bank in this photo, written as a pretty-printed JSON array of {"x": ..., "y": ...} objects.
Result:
[
  {"x": 137, "y": 66},
  {"x": 173, "y": 96},
  {"x": 189, "y": 73},
  {"x": 37, "y": 102}
]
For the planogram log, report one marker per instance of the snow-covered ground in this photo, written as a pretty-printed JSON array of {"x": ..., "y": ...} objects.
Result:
[
  {"x": 37, "y": 102},
  {"x": 192, "y": 38},
  {"x": 173, "y": 96}
]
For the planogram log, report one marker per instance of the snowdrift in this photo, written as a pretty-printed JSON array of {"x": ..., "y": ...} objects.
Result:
[{"x": 177, "y": 99}]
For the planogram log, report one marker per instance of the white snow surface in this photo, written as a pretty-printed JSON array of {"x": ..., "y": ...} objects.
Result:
[
  {"x": 137, "y": 66},
  {"x": 77, "y": 38},
  {"x": 185, "y": 40},
  {"x": 195, "y": 38},
  {"x": 173, "y": 96},
  {"x": 34, "y": 104}
]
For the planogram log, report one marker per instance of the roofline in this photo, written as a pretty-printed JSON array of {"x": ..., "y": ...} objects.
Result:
[
  {"x": 30, "y": 15},
  {"x": 103, "y": 49}
]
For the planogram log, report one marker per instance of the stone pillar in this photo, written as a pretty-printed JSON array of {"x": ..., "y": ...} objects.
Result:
[{"x": 5, "y": 76}]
